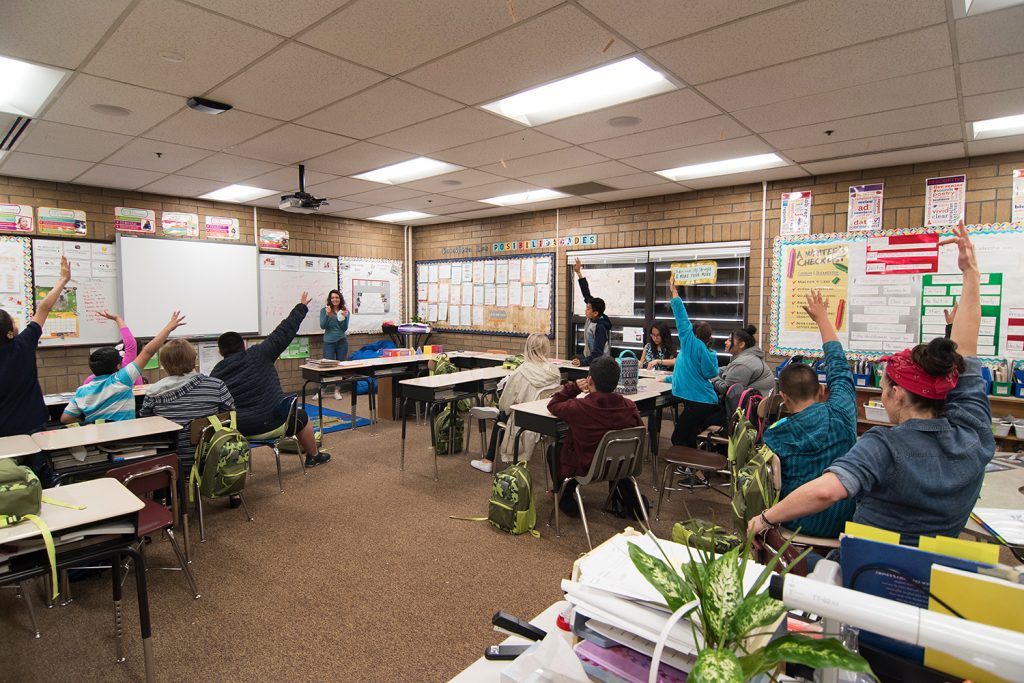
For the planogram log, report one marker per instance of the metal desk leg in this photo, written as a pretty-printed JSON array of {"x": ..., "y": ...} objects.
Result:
[
  {"x": 515, "y": 447},
  {"x": 144, "y": 624},
  {"x": 355, "y": 395},
  {"x": 405, "y": 419},
  {"x": 115, "y": 572}
]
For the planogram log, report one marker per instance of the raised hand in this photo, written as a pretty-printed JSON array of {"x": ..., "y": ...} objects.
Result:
[
  {"x": 578, "y": 267},
  {"x": 108, "y": 315},
  {"x": 966, "y": 258},
  {"x": 65, "y": 269},
  {"x": 304, "y": 299},
  {"x": 673, "y": 291},
  {"x": 816, "y": 307},
  {"x": 177, "y": 320}
]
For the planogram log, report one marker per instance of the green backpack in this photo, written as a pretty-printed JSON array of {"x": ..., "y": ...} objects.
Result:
[
  {"x": 512, "y": 362},
  {"x": 751, "y": 466},
  {"x": 703, "y": 535},
  {"x": 511, "y": 507},
  {"x": 442, "y": 432},
  {"x": 222, "y": 461}
]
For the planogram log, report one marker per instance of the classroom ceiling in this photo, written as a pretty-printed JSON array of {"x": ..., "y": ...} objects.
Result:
[{"x": 347, "y": 86}]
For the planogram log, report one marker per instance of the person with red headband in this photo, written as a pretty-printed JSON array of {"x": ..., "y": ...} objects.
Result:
[{"x": 922, "y": 476}]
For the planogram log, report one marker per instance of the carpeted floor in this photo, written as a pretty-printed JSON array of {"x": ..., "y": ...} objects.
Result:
[{"x": 354, "y": 573}]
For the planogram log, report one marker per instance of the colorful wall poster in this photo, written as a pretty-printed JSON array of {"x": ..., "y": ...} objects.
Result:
[
  {"x": 61, "y": 222},
  {"x": 16, "y": 218},
  {"x": 373, "y": 290},
  {"x": 1017, "y": 212},
  {"x": 884, "y": 313},
  {"x": 273, "y": 239},
  {"x": 16, "y": 277},
  {"x": 1015, "y": 330},
  {"x": 695, "y": 273},
  {"x": 63, "y": 319},
  {"x": 940, "y": 292},
  {"x": 864, "y": 211},
  {"x": 795, "y": 217},
  {"x": 221, "y": 228},
  {"x": 299, "y": 348},
  {"x": 178, "y": 224},
  {"x": 944, "y": 200},
  {"x": 142, "y": 221},
  {"x": 823, "y": 267},
  {"x": 902, "y": 254}
]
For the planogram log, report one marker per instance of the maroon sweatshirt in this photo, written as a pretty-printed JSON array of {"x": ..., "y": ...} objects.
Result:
[{"x": 589, "y": 419}]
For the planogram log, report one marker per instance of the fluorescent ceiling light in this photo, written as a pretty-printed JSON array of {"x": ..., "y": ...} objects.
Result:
[
  {"x": 623, "y": 81},
  {"x": 994, "y": 128},
  {"x": 408, "y": 171},
  {"x": 402, "y": 216},
  {"x": 525, "y": 197},
  {"x": 238, "y": 193},
  {"x": 26, "y": 87},
  {"x": 724, "y": 167}
]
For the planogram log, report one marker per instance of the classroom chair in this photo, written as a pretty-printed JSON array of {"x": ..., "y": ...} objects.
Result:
[
  {"x": 678, "y": 458},
  {"x": 483, "y": 415},
  {"x": 279, "y": 443},
  {"x": 156, "y": 474},
  {"x": 22, "y": 593},
  {"x": 820, "y": 544},
  {"x": 620, "y": 455},
  {"x": 199, "y": 430}
]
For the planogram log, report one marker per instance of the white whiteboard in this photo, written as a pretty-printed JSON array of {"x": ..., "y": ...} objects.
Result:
[
  {"x": 16, "y": 278},
  {"x": 373, "y": 292},
  {"x": 214, "y": 285},
  {"x": 613, "y": 284},
  {"x": 93, "y": 288},
  {"x": 283, "y": 279}
]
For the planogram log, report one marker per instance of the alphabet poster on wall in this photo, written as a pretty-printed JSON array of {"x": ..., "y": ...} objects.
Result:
[{"x": 373, "y": 292}]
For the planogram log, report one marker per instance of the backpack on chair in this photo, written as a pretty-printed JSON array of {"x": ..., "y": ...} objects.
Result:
[
  {"x": 746, "y": 400},
  {"x": 222, "y": 458},
  {"x": 751, "y": 465}
]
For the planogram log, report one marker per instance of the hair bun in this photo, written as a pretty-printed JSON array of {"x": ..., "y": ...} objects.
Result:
[
  {"x": 750, "y": 329},
  {"x": 938, "y": 357}
]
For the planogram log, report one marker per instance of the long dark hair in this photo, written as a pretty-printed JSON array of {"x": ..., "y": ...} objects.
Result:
[
  {"x": 668, "y": 345},
  {"x": 341, "y": 296},
  {"x": 6, "y": 326}
]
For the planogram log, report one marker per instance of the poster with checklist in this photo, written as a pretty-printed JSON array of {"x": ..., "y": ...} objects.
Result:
[
  {"x": 76, "y": 318},
  {"x": 944, "y": 200}
]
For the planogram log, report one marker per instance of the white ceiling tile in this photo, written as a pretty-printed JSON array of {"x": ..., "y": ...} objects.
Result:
[
  {"x": 699, "y": 154},
  {"x": 991, "y": 75},
  {"x": 290, "y": 144},
  {"x": 283, "y": 18},
  {"x": 228, "y": 168},
  {"x": 117, "y": 177},
  {"x": 853, "y": 128},
  {"x": 463, "y": 207},
  {"x": 895, "y": 93},
  {"x": 661, "y": 20},
  {"x": 357, "y": 158},
  {"x": 196, "y": 129},
  {"x": 338, "y": 206},
  {"x": 450, "y": 181},
  {"x": 793, "y": 32},
  {"x": 886, "y": 58},
  {"x": 24, "y": 165},
  {"x": 655, "y": 190},
  {"x": 294, "y": 81},
  {"x": 384, "y": 195},
  {"x": 287, "y": 179},
  {"x": 990, "y": 35},
  {"x": 492, "y": 190},
  {"x": 180, "y": 186},
  {"x": 55, "y": 31},
  {"x": 340, "y": 187},
  {"x": 907, "y": 156},
  {"x": 557, "y": 44},
  {"x": 450, "y": 130},
  {"x": 633, "y": 180},
  {"x": 994, "y": 105},
  {"x": 488, "y": 213},
  {"x": 670, "y": 108},
  {"x": 271, "y": 202},
  {"x": 560, "y": 203},
  {"x": 877, "y": 143},
  {"x": 142, "y": 153},
  {"x": 427, "y": 203},
  {"x": 368, "y": 211},
  {"x": 147, "y": 107},
  {"x": 214, "y": 48},
  {"x": 1010, "y": 143},
  {"x": 569, "y": 157},
  {"x": 434, "y": 221},
  {"x": 385, "y": 107},
  {"x": 749, "y": 178},
  {"x": 414, "y": 32},
  {"x": 670, "y": 137},
  {"x": 581, "y": 174},
  {"x": 71, "y": 142},
  {"x": 510, "y": 146}
]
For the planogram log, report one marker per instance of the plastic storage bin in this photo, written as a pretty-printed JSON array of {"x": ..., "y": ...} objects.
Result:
[{"x": 877, "y": 414}]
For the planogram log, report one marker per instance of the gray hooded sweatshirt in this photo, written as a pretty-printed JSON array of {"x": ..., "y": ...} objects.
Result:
[{"x": 747, "y": 369}]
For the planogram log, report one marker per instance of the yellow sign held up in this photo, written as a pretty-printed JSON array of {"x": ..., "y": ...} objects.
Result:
[{"x": 695, "y": 273}]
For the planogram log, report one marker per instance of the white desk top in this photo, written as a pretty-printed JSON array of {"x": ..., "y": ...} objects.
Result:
[
  {"x": 453, "y": 378},
  {"x": 103, "y": 499},
  {"x": 102, "y": 433},
  {"x": 16, "y": 446},
  {"x": 648, "y": 388},
  {"x": 63, "y": 399},
  {"x": 371, "y": 363},
  {"x": 1002, "y": 489}
]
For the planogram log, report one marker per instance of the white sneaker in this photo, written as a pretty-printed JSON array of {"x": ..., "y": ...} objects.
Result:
[
  {"x": 337, "y": 395},
  {"x": 482, "y": 465}
]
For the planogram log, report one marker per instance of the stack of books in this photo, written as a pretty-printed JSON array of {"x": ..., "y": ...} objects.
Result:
[
  {"x": 324, "y": 363},
  {"x": 68, "y": 458}
]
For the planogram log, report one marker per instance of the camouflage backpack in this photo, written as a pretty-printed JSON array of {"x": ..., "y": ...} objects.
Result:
[
  {"x": 512, "y": 362},
  {"x": 222, "y": 460},
  {"x": 442, "y": 432},
  {"x": 751, "y": 465},
  {"x": 511, "y": 507}
]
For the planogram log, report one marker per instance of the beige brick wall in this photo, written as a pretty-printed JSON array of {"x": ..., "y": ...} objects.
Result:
[
  {"x": 724, "y": 214},
  {"x": 62, "y": 369}
]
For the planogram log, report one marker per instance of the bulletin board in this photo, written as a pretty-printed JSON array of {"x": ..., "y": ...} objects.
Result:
[
  {"x": 373, "y": 292},
  {"x": 16, "y": 278},
  {"x": 75, "y": 319},
  {"x": 615, "y": 284},
  {"x": 511, "y": 295},
  {"x": 888, "y": 289},
  {"x": 283, "y": 279}
]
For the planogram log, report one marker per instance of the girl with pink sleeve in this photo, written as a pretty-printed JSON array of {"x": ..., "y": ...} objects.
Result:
[{"x": 131, "y": 349}]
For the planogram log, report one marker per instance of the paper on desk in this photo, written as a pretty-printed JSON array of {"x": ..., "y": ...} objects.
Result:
[
  {"x": 1007, "y": 523},
  {"x": 552, "y": 659}
]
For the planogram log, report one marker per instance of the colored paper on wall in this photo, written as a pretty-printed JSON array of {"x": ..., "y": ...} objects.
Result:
[
  {"x": 222, "y": 228},
  {"x": 179, "y": 224},
  {"x": 695, "y": 273},
  {"x": 141, "y": 221},
  {"x": 864, "y": 211},
  {"x": 16, "y": 218},
  {"x": 795, "y": 217},
  {"x": 944, "y": 200},
  {"x": 822, "y": 267},
  {"x": 902, "y": 254},
  {"x": 1017, "y": 211},
  {"x": 273, "y": 239},
  {"x": 941, "y": 292},
  {"x": 61, "y": 222}
]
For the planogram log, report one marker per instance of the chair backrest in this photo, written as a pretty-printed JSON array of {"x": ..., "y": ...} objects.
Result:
[
  {"x": 153, "y": 474},
  {"x": 620, "y": 454},
  {"x": 770, "y": 408},
  {"x": 293, "y": 416},
  {"x": 198, "y": 425}
]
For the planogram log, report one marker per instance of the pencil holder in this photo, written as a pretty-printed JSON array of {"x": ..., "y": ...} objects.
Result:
[
  {"x": 986, "y": 374},
  {"x": 1001, "y": 388},
  {"x": 863, "y": 380},
  {"x": 877, "y": 381}
]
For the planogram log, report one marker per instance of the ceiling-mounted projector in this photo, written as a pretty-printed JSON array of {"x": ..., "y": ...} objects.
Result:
[{"x": 301, "y": 201}]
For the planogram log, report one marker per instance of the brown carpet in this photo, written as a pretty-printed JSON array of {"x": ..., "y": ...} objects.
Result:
[{"x": 354, "y": 573}]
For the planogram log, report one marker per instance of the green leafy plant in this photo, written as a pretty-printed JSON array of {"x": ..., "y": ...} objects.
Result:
[{"x": 725, "y": 620}]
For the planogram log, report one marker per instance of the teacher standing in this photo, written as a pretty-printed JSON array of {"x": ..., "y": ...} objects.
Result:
[{"x": 334, "y": 323}]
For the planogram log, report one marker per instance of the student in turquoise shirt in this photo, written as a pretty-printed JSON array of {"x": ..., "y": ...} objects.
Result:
[
  {"x": 334, "y": 319},
  {"x": 696, "y": 365}
]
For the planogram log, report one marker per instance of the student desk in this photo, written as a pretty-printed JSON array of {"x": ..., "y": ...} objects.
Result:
[
  {"x": 55, "y": 403},
  {"x": 17, "y": 446},
  {"x": 85, "y": 536},
  {"x": 450, "y": 389},
  {"x": 1001, "y": 489}
]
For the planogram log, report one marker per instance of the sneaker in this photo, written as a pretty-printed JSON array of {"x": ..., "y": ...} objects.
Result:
[
  {"x": 482, "y": 465},
  {"x": 322, "y": 457},
  {"x": 337, "y": 395},
  {"x": 692, "y": 481},
  {"x": 234, "y": 501}
]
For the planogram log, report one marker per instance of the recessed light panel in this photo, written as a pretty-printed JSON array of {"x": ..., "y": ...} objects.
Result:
[
  {"x": 238, "y": 193},
  {"x": 995, "y": 128},
  {"x": 525, "y": 197},
  {"x": 26, "y": 87},
  {"x": 408, "y": 171},
  {"x": 623, "y": 81},
  {"x": 724, "y": 167},
  {"x": 402, "y": 216}
]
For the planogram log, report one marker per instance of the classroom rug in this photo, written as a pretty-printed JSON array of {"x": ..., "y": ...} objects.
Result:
[{"x": 334, "y": 420}]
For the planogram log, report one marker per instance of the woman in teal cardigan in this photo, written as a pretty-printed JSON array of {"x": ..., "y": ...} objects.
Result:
[{"x": 334, "y": 319}]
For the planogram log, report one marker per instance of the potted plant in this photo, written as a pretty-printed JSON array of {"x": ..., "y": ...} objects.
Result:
[{"x": 726, "y": 619}]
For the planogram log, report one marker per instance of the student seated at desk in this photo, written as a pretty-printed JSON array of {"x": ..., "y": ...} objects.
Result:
[
  {"x": 589, "y": 419},
  {"x": 598, "y": 328},
  {"x": 252, "y": 380},
  {"x": 923, "y": 475},
  {"x": 22, "y": 410},
  {"x": 129, "y": 347},
  {"x": 816, "y": 433},
  {"x": 660, "y": 351},
  {"x": 109, "y": 395},
  {"x": 747, "y": 368},
  {"x": 533, "y": 380}
]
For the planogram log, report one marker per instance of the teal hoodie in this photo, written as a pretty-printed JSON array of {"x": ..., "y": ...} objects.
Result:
[{"x": 696, "y": 364}]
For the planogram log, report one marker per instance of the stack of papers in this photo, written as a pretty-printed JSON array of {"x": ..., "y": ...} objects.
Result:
[{"x": 324, "y": 363}]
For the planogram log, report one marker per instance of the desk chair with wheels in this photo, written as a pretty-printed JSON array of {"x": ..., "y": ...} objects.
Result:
[
  {"x": 620, "y": 455},
  {"x": 200, "y": 429},
  {"x": 156, "y": 474},
  {"x": 279, "y": 441}
]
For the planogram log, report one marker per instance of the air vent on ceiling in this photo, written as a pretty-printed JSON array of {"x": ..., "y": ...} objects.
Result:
[
  {"x": 584, "y": 188},
  {"x": 11, "y": 135}
]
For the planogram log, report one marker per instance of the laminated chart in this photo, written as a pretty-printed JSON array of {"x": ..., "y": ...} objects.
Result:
[{"x": 940, "y": 292}]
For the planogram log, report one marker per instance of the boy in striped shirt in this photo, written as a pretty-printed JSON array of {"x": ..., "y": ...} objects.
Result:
[{"x": 109, "y": 395}]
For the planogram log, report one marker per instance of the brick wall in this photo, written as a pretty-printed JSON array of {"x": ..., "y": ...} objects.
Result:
[
  {"x": 62, "y": 369},
  {"x": 723, "y": 214}
]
